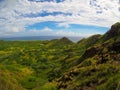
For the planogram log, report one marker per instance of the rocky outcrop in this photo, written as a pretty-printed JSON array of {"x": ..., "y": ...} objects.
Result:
[{"x": 113, "y": 32}]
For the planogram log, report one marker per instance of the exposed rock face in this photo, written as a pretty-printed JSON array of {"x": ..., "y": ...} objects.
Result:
[
  {"x": 91, "y": 52},
  {"x": 115, "y": 47},
  {"x": 113, "y": 32}
]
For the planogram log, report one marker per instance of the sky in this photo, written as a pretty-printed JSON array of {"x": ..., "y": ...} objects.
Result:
[{"x": 57, "y": 17}]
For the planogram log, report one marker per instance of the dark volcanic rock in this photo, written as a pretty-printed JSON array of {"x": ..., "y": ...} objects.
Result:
[
  {"x": 91, "y": 52},
  {"x": 115, "y": 47},
  {"x": 113, "y": 32}
]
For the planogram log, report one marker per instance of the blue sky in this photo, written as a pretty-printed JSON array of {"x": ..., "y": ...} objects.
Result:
[
  {"x": 57, "y": 17},
  {"x": 77, "y": 28}
]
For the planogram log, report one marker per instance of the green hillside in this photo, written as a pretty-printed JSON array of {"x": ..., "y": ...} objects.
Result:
[
  {"x": 90, "y": 64},
  {"x": 98, "y": 67}
]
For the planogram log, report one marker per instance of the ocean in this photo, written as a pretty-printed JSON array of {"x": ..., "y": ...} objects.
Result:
[{"x": 74, "y": 39}]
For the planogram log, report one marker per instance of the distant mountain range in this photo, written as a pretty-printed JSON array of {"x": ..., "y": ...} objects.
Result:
[{"x": 74, "y": 39}]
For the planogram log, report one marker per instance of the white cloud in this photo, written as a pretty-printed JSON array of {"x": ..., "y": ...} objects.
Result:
[
  {"x": 87, "y": 12},
  {"x": 34, "y": 32},
  {"x": 15, "y": 29},
  {"x": 66, "y": 25},
  {"x": 47, "y": 31}
]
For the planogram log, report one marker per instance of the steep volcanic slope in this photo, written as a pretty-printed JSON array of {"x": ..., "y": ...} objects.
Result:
[
  {"x": 113, "y": 33},
  {"x": 98, "y": 68}
]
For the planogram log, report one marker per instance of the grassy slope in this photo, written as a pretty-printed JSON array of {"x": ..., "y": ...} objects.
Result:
[
  {"x": 30, "y": 63},
  {"x": 98, "y": 66},
  {"x": 90, "y": 64}
]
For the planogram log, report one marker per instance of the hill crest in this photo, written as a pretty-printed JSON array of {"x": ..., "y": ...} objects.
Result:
[{"x": 114, "y": 32}]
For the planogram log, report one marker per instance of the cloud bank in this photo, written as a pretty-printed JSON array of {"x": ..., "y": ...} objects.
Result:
[{"x": 16, "y": 15}]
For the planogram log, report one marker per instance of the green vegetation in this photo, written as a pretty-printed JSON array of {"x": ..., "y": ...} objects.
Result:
[{"x": 59, "y": 64}]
